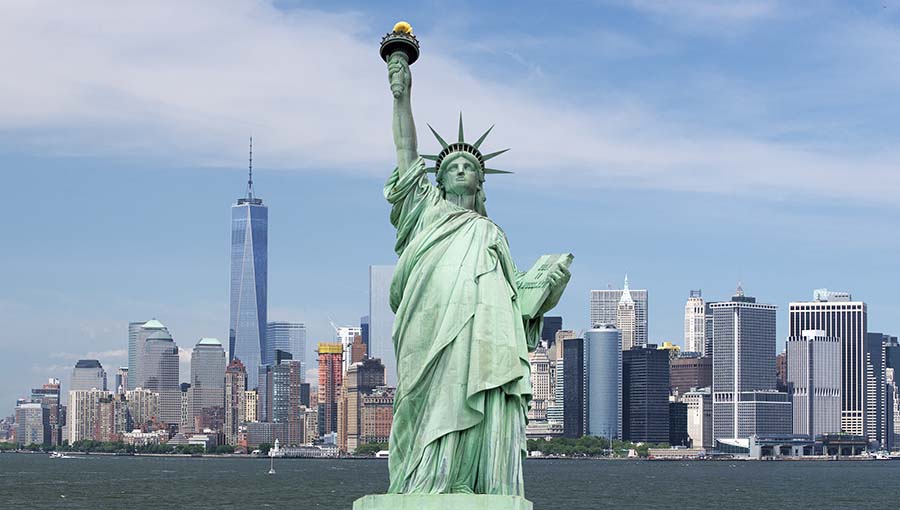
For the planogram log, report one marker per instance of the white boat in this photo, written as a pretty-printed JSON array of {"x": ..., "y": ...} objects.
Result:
[
  {"x": 59, "y": 455},
  {"x": 274, "y": 451}
]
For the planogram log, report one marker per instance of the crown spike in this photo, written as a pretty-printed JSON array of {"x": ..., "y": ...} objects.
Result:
[
  {"x": 436, "y": 135},
  {"x": 493, "y": 154},
  {"x": 477, "y": 144},
  {"x": 495, "y": 171},
  {"x": 429, "y": 157},
  {"x": 461, "y": 138},
  {"x": 431, "y": 170}
]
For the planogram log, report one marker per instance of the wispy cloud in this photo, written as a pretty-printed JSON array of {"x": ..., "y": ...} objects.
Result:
[
  {"x": 699, "y": 13},
  {"x": 193, "y": 80}
]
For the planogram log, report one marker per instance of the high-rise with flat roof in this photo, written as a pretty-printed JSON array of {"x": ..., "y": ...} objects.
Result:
[
  {"x": 88, "y": 374},
  {"x": 48, "y": 395},
  {"x": 743, "y": 363},
  {"x": 286, "y": 381},
  {"x": 604, "y": 310},
  {"x": 362, "y": 379},
  {"x": 32, "y": 423},
  {"x": 695, "y": 323},
  {"x": 603, "y": 344},
  {"x": 689, "y": 372},
  {"x": 235, "y": 393},
  {"x": 645, "y": 394},
  {"x": 575, "y": 380},
  {"x": 288, "y": 337},
  {"x": 814, "y": 380},
  {"x": 330, "y": 381},
  {"x": 839, "y": 316},
  {"x": 346, "y": 336},
  {"x": 249, "y": 280},
  {"x": 699, "y": 417},
  {"x": 381, "y": 321},
  {"x": 875, "y": 387}
]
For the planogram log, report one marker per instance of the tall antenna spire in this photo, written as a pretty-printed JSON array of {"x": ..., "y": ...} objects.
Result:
[{"x": 250, "y": 180}]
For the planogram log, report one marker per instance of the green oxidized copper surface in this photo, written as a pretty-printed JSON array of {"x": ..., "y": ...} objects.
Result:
[
  {"x": 441, "y": 502},
  {"x": 460, "y": 336}
]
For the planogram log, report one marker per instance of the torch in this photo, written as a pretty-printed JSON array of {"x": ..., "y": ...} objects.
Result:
[{"x": 400, "y": 39}]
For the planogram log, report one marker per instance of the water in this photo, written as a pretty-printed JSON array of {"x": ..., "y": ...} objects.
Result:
[{"x": 36, "y": 481}]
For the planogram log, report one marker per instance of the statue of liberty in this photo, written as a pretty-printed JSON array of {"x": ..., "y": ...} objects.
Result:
[{"x": 461, "y": 333}]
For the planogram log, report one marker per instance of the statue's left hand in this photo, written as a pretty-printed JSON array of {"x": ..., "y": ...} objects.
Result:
[{"x": 559, "y": 278}]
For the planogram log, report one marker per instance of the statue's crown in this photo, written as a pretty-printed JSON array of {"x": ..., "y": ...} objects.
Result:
[{"x": 462, "y": 146}]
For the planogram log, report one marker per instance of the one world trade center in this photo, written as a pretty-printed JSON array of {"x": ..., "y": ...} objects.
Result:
[{"x": 249, "y": 271}]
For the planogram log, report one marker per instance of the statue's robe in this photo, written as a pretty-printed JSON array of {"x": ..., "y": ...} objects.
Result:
[{"x": 461, "y": 345}]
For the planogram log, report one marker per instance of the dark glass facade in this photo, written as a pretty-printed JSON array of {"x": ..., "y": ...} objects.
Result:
[
  {"x": 645, "y": 391},
  {"x": 548, "y": 331},
  {"x": 678, "y": 434},
  {"x": 575, "y": 388}
]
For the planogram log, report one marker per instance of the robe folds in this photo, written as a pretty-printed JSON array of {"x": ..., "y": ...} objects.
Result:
[{"x": 461, "y": 345}]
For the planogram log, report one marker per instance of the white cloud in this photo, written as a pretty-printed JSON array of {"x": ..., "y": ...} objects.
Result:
[{"x": 170, "y": 80}]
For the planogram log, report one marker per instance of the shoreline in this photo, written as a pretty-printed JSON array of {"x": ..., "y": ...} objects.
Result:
[{"x": 811, "y": 458}]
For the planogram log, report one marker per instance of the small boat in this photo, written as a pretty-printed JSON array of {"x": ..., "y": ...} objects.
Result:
[
  {"x": 59, "y": 455},
  {"x": 272, "y": 453}
]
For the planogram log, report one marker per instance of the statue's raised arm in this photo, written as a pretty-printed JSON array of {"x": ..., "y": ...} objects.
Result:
[{"x": 399, "y": 52}]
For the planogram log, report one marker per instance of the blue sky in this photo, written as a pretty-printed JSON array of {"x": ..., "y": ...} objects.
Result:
[{"x": 689, "y": 144}]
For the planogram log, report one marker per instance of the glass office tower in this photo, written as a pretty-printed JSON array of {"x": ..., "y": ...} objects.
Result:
[{"x": 249, "y": 269}]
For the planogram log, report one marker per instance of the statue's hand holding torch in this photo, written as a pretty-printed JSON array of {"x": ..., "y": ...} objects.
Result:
[
  {"x": 399, "y": 75},
  {"x": 400, "y": 49}
]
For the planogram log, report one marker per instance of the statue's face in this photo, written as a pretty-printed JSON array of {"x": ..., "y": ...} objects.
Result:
[{"x": 460, "y": 175}]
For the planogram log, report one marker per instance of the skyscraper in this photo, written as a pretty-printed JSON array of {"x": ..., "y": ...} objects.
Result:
[
  {"x": 134, "y": 329},
  {"x": 575, "y": 380},
  {"x": 556, "y": 407},
  {"x": 137, "y": 335},
  {"x": 235, "y": 394},
  {"x": 288, "y": 337},
  {"x": 207, "y": 383},
  {"x": 604, "y": 372},
  {"x": 286, "y": 381},
  {"x": 249, "y": 270},
  {"x": 645, "y": 394},
  {"x": 121, "y": 380},
  {"x": 695, "y": 324},
  {"x": 744, "y": 398},
  {"x": 159, "y": 373},
  {"x": 32, "y": 424},
  {"x": 330, "y": 380},
  {"x": 604, "y": 307},
  {"x": 551, "y": 325},
  {"x": 626, "y": 320},
  {"x": 838, "y": 316},
  {"x": 689, "y": 372},
  {"x": 540, "y": 384},
  {"x": 699, "y": 418},
  {"x": 346, "y": 335},
  {"x": 814, "y": 379},
  {"x": 82, "y": 415},
  {"x": 48, "y": 395},
  {"x": 88, "y": 374},
  {"x": 381, "y": 321},
  {"x": 875, "y": 387},
  {"x": 362, "y": 379},
  {"x": 142, "y": 408}
]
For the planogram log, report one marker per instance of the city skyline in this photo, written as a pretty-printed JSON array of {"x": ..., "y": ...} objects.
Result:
[{"x": 68, "y": 304}]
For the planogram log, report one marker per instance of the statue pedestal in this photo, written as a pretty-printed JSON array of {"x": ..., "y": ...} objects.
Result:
[{"x": 441, "y": 502}]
